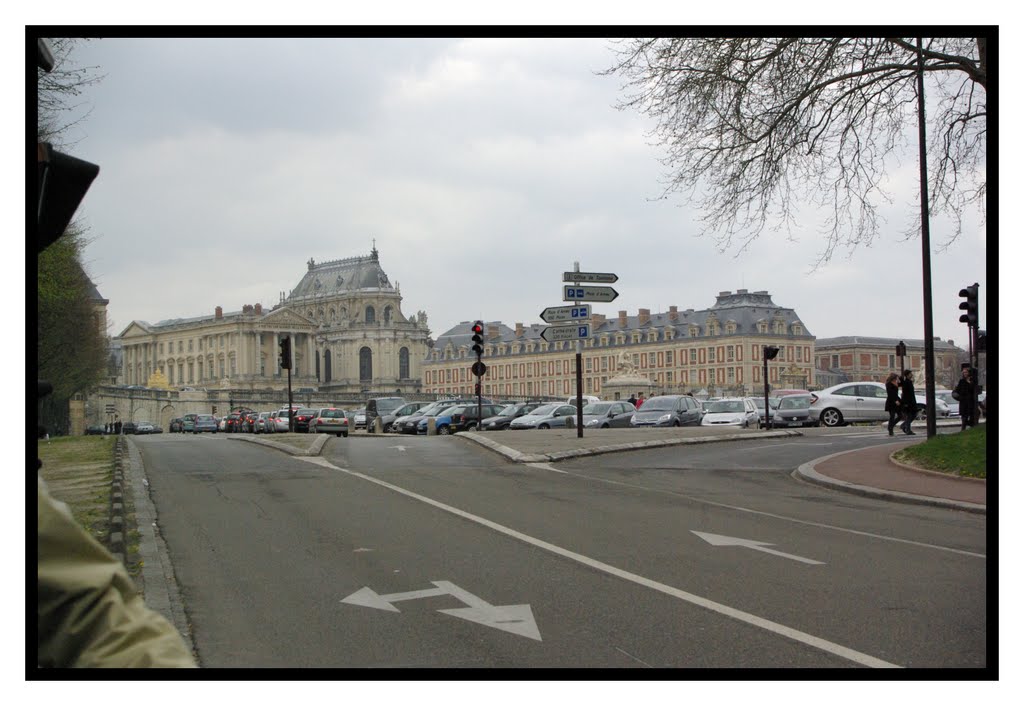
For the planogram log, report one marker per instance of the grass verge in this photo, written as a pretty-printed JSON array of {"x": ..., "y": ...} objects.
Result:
[
  {"x": 960, "y": 454},
  {"x": 78, "y": 470}
]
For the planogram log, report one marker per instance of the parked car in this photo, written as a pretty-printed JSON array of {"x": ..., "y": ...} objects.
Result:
[
  {"x": 859, "y": 402},
  {"x": 705, "y": 405},
  {"x": 233, "y": 423},
  {"x": 263, "y": 422},
  {"x": 506, "y": 414},
  {"x": 387, "y": 419},
  {"x": 188, "y": 423},
  {"x": 144, "y": 428},
  {"x": 329, "y": 420},
  {"x": 360, "y": 418},
  {"x": 222, "y": 424},
  {"x": 795, "y": 411},
  {"x": 773, "y": 402},
  {"x": 280, "y": 419},
  {"x": 545, "y": 417},
  {"x": 302, "y": 417},
  {"x": 442, "y": 420},
  {"x": 668, "y": 411},
  {"x": 411, "y": 424},
  {"x": 466, "y": 417},
  {"x": 128, "y": 428},
  {"x": 205, "y": 422},
  {"x": 947, "y": 397},
  {"x": 731, "y": 411},
  {"x": 401, "y": 415},
  {"x": 96, "y": 430},
  {"x": 381, "y": 407},
  {"x": 249, "y": 422},
  {"x": 605, "y": 415},
  {"x": 587, "y": 399},
  {"x": 175, "y": 426}
]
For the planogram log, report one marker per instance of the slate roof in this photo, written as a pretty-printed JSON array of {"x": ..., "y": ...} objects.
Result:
[
  {"x": 337, "y": 277},
  {"x": 876, "y": 342}
]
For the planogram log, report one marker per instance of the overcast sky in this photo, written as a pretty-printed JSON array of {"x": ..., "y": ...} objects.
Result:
[{"x": 484, "y": 168}]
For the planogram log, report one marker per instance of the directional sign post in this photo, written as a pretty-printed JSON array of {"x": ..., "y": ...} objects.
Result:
[
  {"x": 555, "y": 314},
  {"x": 579, "y": 293},
  {"x": 565, "y": 333},
  {"x": 590, "y": 277}
]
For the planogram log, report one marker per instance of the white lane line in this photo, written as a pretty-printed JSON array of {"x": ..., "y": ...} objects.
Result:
[
  {"x": 547, "y": 467},
  {"x": 772, "y": 514},
  {"x": 763, "y": 623}
]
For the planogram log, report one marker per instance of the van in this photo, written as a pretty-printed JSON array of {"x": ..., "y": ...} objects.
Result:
[
  {"x": 381, "y": 407},
  {"x": 587, "y": 399}
]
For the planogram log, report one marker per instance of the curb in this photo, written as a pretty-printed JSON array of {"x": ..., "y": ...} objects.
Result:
[
  {"x": 807, "y": 472},
  {"x": 520, "y": 457},
  {"x": 314, "y": 449},
  {"x": 160, "y": 587},
  {"x": 909, "y": 467}
]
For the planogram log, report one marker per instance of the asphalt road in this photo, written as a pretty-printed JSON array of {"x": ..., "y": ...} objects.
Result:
[{"x": 604, "y": 551}]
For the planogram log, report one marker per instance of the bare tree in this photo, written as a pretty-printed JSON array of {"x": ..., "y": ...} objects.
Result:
[
  {"x": 752, "y": 125},
  {"x": 57, "y": 91}
]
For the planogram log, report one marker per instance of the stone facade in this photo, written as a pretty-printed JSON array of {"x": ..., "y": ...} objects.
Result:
[
  {"x": 852, "y": 358},
  {"x": 347, "y": 329},
  {"x": 713, "y": 351}
]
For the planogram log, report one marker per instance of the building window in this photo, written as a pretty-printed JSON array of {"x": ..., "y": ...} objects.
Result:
[
  {"x": 650, "y": 360},
  {"x": 200, "y": 371},
  {"x": 181, "y": 373},
  {"x": 693, "y": 356},
  {"x": 668, "y": 359},
  {"x": 222, "y": 367},
  {"x": 170, "y": 374},
  {"x": 403, "y": 364},
  {"x": 730, "y": 352},
  {"x": 366, "y": 360},
  {"x": 835, "y": 361},
  {"x": 711, "y": 355},
  {"x": 387, "y": 315},
  {"x": 180, "y": 346},
  {"x": 370, "y": 318},
  {"x": 190, "y": 346}
]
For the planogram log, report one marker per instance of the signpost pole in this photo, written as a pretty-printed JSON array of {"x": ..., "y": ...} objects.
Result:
[{"x": 579, "y": 377}]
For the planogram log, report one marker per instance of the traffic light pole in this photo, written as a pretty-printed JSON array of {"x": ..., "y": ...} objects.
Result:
[
  {"x": 579, "y": 376},
  {"x": 926, "y": 247}
]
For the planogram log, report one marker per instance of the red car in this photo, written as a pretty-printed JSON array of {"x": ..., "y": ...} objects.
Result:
[{"x": 302, "y": 418}]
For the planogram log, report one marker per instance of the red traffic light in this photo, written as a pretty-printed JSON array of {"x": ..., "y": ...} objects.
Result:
[{"x": 478, "y": 327}]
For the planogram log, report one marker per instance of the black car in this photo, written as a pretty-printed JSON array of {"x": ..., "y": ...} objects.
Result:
[
  {"x": 505, "y": 416},
  {"x": 465, "y": 417},
  {"x": 128, "y": 428},
  {"x": 95, "y": 430},
  {"x": 668, "y": 411},
  {"x": 302, "y": 418}
]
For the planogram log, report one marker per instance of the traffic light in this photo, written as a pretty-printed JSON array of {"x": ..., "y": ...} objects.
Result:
[
  {"x": 478, "y": 339},
  {"x": 770, "y": 352},
  {"x": 982, "y": 346},
  {"x": 970, "y": 294},
  {"x": 286, "y": 353}
]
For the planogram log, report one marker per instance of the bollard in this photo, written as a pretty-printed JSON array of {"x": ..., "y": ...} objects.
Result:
[
  {"x": 431, "y": 426},
  {"x": 378, "y": 425},
  {"x": 570, "y": 423}
]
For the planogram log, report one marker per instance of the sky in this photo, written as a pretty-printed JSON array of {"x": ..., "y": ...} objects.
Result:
[{"x": 482, "y": 169}]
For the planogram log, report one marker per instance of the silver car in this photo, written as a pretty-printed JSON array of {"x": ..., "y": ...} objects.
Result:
[
  {"x": 544, "y": 417},
  {"x": 794, "y": 411},
  {"x": 605, "y": 415},
  {"x": 859, "y": 402},
  {"x": 733, "y": 412}
]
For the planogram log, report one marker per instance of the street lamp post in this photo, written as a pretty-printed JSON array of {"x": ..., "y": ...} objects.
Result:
[{"x": 767, "y": 353}]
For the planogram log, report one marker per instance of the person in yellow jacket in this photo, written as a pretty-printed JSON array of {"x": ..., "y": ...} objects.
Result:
[{"x": 89, "y": 613}]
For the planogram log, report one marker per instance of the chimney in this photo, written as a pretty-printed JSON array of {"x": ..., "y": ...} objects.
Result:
[
  {"x": 645, "y": 316},
  {"x": 259, "y": 308},
  {"x": 519, "y": 330},
  {"x": 741, "y": 291},
  {"x": 493, "y": 331},
  {"x": 673, "y": 313},
  {"x": 218, "y": 313},
  {"x": 598, "y": 321},
  {"x": 622, "y": 319}
]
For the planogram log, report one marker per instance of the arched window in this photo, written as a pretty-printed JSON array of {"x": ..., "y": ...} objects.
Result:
[
  {"x": 403, "y": 364},
  {"x": 327, "y": 365},
  {"x": 365, "y": 362},
  {"x": 370, "y": 315},
  {"x": 387, "y": 314}
]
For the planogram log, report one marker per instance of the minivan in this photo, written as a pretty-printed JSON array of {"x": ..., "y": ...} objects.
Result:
[{"x": 381, "y": 407}]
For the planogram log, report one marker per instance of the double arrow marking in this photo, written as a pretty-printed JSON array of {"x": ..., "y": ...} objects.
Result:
[{"x": 516, "y": 619}]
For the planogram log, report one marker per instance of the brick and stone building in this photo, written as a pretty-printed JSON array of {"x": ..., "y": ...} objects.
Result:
[
  {"x": 713, "y": 351},
  {"x": 852, "y": 358}
]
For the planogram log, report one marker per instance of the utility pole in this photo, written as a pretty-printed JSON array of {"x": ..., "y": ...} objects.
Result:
[{"x": 926, "y": 254}]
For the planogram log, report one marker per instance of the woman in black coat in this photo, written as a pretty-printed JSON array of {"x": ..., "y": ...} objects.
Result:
[
  {"x": 908, "y": 401},
  {"x": 892, "y": 400},
  {"x": 965, "y": 396}
]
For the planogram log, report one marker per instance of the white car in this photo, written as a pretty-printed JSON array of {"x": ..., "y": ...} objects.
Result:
[
  {"x": 732, "y": 411},
  {"x": 862, "y": 401}
]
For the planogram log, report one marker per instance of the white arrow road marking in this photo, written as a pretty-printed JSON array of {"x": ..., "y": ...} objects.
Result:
[
  {"x": 719, "y": 540},
  {"x": 720, "y": 608},
  {"x": 400, "y": 448},
  {"x": 516, "y": 619}
]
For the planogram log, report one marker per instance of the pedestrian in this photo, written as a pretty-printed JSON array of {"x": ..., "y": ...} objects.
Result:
[
  {"x": 964, "y": 394},
  {"x": 892, "y": 400},
  {"x": 117, "y": 427},
  {"x": 632, "y": 399},
  {"x": 908, "y": 402},
  {"x": 640, "y": 401}
]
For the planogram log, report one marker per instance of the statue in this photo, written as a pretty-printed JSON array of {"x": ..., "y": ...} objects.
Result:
[{"x": 625, "y": 364}]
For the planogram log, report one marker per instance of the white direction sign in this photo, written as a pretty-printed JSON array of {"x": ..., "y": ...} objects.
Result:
[
  {"x": 565, "y": 333},
  {"x": 516, "y": 619},
  {"x": 572, "y": 293},
  {"x": 719, "y": 540},
  {"x": 554, "y": 314},
  {"x": 593, "y": 277}
]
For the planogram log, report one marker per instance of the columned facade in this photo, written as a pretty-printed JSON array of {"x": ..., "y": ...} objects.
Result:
[{"x": 338, "y": 310}]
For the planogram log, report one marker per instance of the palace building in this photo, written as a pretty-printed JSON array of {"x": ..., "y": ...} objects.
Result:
[
  {"x": 714, "y": 351},
  {"x": 345, "y": 321}
]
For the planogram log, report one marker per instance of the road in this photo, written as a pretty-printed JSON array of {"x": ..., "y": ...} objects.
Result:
[{"x": 414, "y": 552}]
